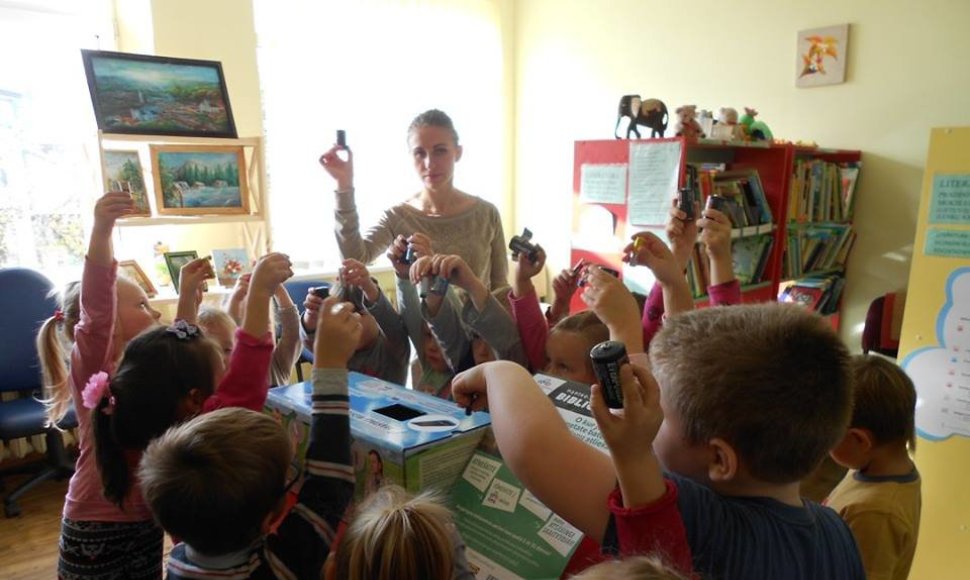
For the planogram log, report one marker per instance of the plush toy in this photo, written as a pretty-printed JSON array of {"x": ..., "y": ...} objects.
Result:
[
  {"x": 756, "y": 130},
  {"x": 727, "y": 127},
  {"x": 706, "y": 120},
  {"x": 687, "y": 124}
]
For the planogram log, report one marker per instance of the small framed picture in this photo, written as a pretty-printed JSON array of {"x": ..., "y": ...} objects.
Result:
[
  {"x": 133, "y": 272},
  {"x": 200, "y": 180},
  {"x": 822, "y": 55},
  {"x": 175, "y": 261},
  {"x": 123, "y": 172},
  {"x": 230, "y": 265}
]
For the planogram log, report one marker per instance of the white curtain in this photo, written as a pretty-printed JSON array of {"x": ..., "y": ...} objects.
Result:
[{"x": 370, "y": 66}]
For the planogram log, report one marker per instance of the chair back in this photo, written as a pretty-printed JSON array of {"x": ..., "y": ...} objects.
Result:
[
  {"x": 24, "y": 306},
  {"x": 297, "y": 290}
]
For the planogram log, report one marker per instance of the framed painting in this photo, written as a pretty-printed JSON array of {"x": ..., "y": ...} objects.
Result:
[
  {"x": 151, "y": 95},
  {"x": 133, "y": 272},
  {"x": 199, "y": 180},
  {"x": 230, "y": 264},
  {"x": 123, "y": 172},
  {"x": 821, "y": 57},
  {"x": 175, "y": 261}
]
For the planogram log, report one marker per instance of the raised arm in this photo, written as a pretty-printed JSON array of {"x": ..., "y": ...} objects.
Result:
[
  {"x": 192, "y": 277},
  {"x": 288, "y": 346}
]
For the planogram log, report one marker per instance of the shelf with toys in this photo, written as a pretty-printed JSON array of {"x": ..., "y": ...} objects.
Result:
[{"x": 772, "y": 205}]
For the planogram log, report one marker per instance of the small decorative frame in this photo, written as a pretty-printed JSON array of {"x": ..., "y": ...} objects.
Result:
[
  {"x": 123, "y": 172},
  {"x": 821, "y": 56},
  {"x": 200, "y": 180},
  {"x": 133, "y": 271},
  {"x": 230, "y": 264},
  {"x": 175, "y": 261}
]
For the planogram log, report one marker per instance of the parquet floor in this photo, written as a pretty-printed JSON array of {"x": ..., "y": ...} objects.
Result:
[{"x": 28, "y": 544}]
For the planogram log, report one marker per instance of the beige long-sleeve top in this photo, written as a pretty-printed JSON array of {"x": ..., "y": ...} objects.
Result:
[{"x": 475, "y": 234}]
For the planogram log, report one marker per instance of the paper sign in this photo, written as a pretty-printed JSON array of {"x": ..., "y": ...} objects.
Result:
[
  {"x": 532, "y": 503},
  {"x": 602, "y": 183},
  {"x": 947, "y": 243},
  {"x": 654, "y": 176},
  {"x": 950, "y": 199},
  {"x": 560, "y": 534},
  {"x": 480, "y": 471},
  {"x": 502, "y": 496}
]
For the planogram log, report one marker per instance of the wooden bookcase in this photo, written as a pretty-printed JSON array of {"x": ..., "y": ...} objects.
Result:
[{"x": 774, "y": 164}]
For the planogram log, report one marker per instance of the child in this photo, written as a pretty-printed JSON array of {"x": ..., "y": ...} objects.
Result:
[
  {"x": 218, "y": 481},
  {"x": 288, "y": 345},
  {"x": 880, "y": 497},
  {"x": 395, "y": 535},
  {"x": 741, "y": 427},
  {"x": 111, "y": 311},
  {"x": 635, "y": 568},
  {"x": 170, "y": 374},
  {"x": 57, "y": 331},
  {"x": 383, "y": 350}
]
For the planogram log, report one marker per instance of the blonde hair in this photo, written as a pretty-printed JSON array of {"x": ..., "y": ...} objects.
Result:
[
  {"x": 50, "y": 351},
  {"x": 210, "y": 316},
  {"x": 395, "y": 535},
  {"x": 634, "y": 568}
]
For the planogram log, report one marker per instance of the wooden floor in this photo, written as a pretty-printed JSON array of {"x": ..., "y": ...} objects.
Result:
[{"x": 28, "y": 544}]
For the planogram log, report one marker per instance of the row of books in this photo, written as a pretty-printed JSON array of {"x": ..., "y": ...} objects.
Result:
[
  {"x": 820, "y": 293},
  {"x": 816, "y": 247},
  {"x": 750, "y": 257},
  {"x": 747, "y": 204},
  {"x": 822, "y": 191}
]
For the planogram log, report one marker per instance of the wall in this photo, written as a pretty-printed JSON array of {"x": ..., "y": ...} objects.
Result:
[{"x": 576, "y": 58}]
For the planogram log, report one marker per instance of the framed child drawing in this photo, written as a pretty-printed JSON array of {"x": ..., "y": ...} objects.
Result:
[
  {"x": 200, "y": 180},
  {"x": 821, "y": 57}
]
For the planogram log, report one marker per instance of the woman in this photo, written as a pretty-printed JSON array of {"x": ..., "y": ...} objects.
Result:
[{"x": 450, "y": 219}]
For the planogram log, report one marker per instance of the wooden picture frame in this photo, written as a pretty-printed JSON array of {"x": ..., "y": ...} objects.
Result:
[
  {"x": 123, "y": 172},
  {"x": 175, "y": 261},
  {"x": 133, "y": 271},
  {"x": 200, "y": 179},
  {"x": 151, "y": 95}
]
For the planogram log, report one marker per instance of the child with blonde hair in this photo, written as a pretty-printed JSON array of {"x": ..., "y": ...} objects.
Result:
[
  {"x": 880, "y": 496},
  {"x": 55, "y": 333}
]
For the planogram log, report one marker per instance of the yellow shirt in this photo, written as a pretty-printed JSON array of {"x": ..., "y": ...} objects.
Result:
[{"x": 883, "y": 514}]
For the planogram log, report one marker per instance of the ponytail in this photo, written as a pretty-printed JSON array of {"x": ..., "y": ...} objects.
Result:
[
  {"x": 112, "y": 463},
  {"x": 50, "y": 352}
]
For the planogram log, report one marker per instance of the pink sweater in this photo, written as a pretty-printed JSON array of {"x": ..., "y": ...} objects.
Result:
[{"x": 244, "y": 385}]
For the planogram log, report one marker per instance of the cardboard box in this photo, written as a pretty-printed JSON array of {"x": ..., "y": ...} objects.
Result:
[{"x": 401, "y": 436}]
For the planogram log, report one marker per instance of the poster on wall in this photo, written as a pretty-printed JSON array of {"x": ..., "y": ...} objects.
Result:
[
  {"x": 941, "y": 373},
  {"x": 654, "y": 177},
  {"x": 950, "y": 199}
]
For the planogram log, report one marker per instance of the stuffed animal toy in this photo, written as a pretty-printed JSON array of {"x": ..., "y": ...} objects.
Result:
[
  {"x": 687, "y": 124},
  {"x": 727, "y": 127},
  {"x": 756, "y": 130}
]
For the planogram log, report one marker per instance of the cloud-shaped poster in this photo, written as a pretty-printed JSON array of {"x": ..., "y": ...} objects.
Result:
[{"x": 942, "y": 373}]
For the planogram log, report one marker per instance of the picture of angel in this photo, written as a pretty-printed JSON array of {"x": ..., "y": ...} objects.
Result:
[{"x": 822, "y": 56}]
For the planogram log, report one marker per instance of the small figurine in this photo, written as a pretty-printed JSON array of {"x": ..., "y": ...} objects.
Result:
[
  {"x": 727, "y": 127},
  {"x": 756, "y": 130},
  {"x": 706, "y": 120},
  {"x": 649, "y": 113},
  {"x": 687, "y": 124}
]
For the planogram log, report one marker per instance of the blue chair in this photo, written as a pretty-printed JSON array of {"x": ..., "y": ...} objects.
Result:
[
  {"x": 297, "y": 289},
  {"x": 25, "y": 305}
]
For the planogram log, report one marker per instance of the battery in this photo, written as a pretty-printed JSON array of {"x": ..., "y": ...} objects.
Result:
[{"x": 608, "y": 357}]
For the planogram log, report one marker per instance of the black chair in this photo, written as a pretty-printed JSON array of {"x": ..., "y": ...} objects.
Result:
[
  {"x": 25, "y": 305},
  {"x": 297, "y": 289}
]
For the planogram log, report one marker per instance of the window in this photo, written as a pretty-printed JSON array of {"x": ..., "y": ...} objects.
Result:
[
  {"x": 370, "y": 66},
  {"x": 48, "y": 162}
]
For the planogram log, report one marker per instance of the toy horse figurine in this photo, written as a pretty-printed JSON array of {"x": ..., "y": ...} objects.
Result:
[{"x": 649, "y": 113}]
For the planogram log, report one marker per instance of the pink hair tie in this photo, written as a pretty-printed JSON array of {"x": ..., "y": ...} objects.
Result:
[
  {"x": 97, "y": 389},
  {"x": 58, "y": 315}
]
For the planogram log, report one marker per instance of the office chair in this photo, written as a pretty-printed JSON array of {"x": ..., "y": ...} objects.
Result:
[{"x": 25, "y": 304}]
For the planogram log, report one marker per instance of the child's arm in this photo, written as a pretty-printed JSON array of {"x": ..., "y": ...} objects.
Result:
[
  {"x": 288, "y": 346},
  {"x": 306, "y": 535},
  {"x": 724, "y": 288},
  {"x": 881, "y": 537},
  {"x": 563, "y": 288},
  {"x": 665, "y": 265},
  {"x": 377, "y": 304},
  {"x": 454, "y": 269},
  {"x": 245, "y": 383},
  {"x": 613, "y": 303},
  {"x": 570, "y": 477},
  {"x": 239, "y": 291},
  {"x": 441, "y": 314},
  {"x": 192, "y": 277},
  {"x": 533, "y": 328}
]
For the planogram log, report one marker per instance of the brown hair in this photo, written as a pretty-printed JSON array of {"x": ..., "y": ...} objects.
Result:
[
  {"x": 585, "y": 323},
  {"x": 884, "y": 400},
  {"x": 772, "y": 380},
  {"x": 213, "y": 480},
  {"x": 394, "y": 535},
  {"x": 633, "y": 568},
  {"x": 51, "y": 353},
  {"x": 434, "y": 118}
]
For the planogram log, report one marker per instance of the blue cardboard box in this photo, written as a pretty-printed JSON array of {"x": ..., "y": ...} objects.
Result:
[{"x": 399, "y": 435}]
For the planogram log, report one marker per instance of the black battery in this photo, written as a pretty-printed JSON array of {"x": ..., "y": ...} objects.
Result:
[{"x": 608, "y": 357}]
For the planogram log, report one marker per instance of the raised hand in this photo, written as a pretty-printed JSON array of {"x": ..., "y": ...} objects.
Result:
[
  {"x": 342, "y": 171},
  {"x": 355, "y": 273},
  {"x": 338, "y": 335},
  {"x": 681, "y": 233}
]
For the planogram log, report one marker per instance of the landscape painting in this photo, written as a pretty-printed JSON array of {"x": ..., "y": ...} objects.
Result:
[
  {"x": 199, "y": 180},
  {"x": 123, "y": 172},
  {"x": 148, "y": 95}
]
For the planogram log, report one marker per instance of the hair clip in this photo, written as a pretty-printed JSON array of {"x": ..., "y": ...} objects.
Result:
[
  {"x": 183, "y": 330},
  {"x": 98, "y": 388},
  {"x": 58, "y": 315}
]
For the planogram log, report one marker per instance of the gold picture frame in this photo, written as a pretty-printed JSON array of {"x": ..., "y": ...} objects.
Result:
[
  {"x": 133, "y": 271},
  {"x": 200, "y": 180}
]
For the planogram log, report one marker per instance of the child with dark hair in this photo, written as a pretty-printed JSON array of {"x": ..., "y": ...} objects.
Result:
[
  {"x": 218, "y": 481},
  {"x": 383, "y": 349},
  {"x": 880, "y": 496},
  {"x": 741, "y": 427}
]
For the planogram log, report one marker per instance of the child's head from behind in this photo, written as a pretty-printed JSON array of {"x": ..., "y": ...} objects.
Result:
[
  {"x": 164, "y": 377},
  {"x": 218, "y": 480},
  {"x": 395, "y": 535},
  {"x": 54, "y": 333},
  {"x": 633, "y": 568},
  {"x": 771, "y": 381},
  {"x": 134, "y": 313},
  {"x": 220, "y": 327},
  {"x": 884, "y": 404},
  {"x": 569, "y": 343}
]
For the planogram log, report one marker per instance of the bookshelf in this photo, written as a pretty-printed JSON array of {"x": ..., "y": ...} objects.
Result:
[{"x": 723, "y": 167}]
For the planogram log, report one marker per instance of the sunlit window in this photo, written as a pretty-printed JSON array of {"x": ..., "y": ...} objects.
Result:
[{"x": 368, "y": 67}]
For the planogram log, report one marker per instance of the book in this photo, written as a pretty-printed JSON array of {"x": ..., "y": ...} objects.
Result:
[{"x": 747, "y": 256}]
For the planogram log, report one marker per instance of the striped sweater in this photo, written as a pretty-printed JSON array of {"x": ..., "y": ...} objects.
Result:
[{"x": 300, "y": 546}]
